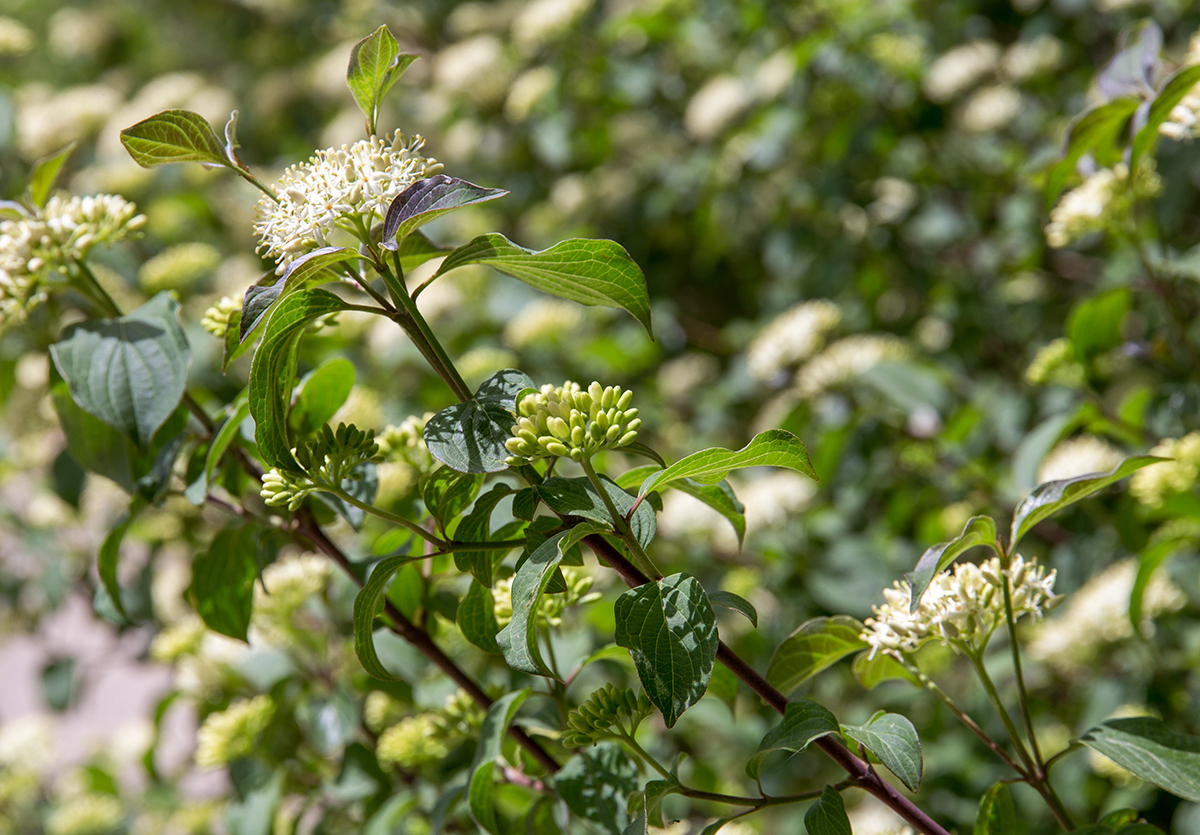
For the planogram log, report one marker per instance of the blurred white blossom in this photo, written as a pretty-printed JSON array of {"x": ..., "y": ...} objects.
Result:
[
  {"x": 1028, "y": 59},
  {"x": 991, "y": 108},
  {"x": 477, "y": 67},
  {"x": 1078, "y": 456},
  {"x": 1152, "y": 485},
  {"x": 715, "y": 105},
  {"x": 232, "y": 733},
  {"x": 544, "y": 320},
  {"x": 15, "y": 37},
  {"x": 527, "y": 90},
  {"x": 541, "y": 21},
  {"x": 846, "y": 359},
  {"x": 872, "y": 817},
  {"x": 894, "y": 199},
  {"x": 1098, "y": 615},
  {"x": 956, "y": 71},
  {"x": 1103, "y": 199},
  {"x": 89, "y": 813},
  {"x": 791, "y": 337}
]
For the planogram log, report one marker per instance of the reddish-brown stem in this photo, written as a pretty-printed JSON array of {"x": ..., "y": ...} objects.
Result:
[
  {"x": 862, "y": 775},
  {"x": 307, "y": 527}
]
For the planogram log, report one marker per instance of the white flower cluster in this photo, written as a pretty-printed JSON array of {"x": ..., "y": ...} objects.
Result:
[
  {"x": 62, "y": 232},
  {"x": 961, "y": 607},
  {"x": 87, "y": 813},
  {"x": 1103, "y": 200},
  {"x": 570, "y": 421},
  {"x": 336, "y": 186},
  {"x": 1098, "y": 615},
  {"x": 1079, "y": 456},
  {"x": 792, "y": 336},
  {"x": 232, "y": 733},
  {"x": 543, "y": 321},
  {"x": 846, "y": 359}
]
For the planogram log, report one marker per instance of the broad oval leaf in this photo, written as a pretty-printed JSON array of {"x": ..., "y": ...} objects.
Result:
[
  {"x": 979, "y": 530},
  {"x": 815, "y": 646},
  {"x": 596, "y": 784},
  {"x": 476, "y": 526},
  {"x": 491, "y": 734},
  {"x": 1051, "y": 497},
  {"x": 803, "y": 722},
  {"x": 366, "y": 607},
  {"x": 870, "y": 671},
  {"x": 894, "y": 740},
  {"x": 273, "y": 371},
  {"x": 729, "y": 600},
  {"x": 447, "y": 493},
  {"x": 773, "y": 448},
  {"x": 519, "y": 639},
  {"x": 1094, "y": 326},
  {"x": 828, "y": 815},
  {"x": 1150, "y": 750},
  {"x": 670, "y": 630},
  {"x": 997, "y": 814},
  {"x": 577, "y": 497},
  {"x": 376, "y": 63},
  {"x": 322, "y": 392},
  {"x": 129, "y": 372},
  {"x": 223, "y": 580},
  {"x": 1171, "y": 94},
  {"x": 590, "y": 272},
  {"x": 1099, "y": 127},
  {"x": 173, "y": 136},
  {"x": 427, "y": 199},
  {"x": 470, "y": 436},
  {"x": 476, "y": 616}
]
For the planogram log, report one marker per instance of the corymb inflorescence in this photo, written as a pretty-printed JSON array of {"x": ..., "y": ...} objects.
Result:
[{"x": 572, "y": 422}]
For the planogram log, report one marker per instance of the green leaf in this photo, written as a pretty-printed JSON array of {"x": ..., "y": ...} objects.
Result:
[
  {"x": 997, "y": 814},
  {"x": 129, "y": 372},
  {"x": 1119, "y": 818},
  {"x": 1099, "y": 129},
  {"x": 723, "y": 686},
  {"x": 870, "y": 672},
  {"x": 652, "y": 797},
  {"x": 979, "y": 530},
  {"x": 670, "y": 630},
  {"x": 1150, "y": 560},
  {"x": 729, "y": 600},
  {"x": 416, "y": 249},
  {"x": 519, "y": 639},
  {"x": 803, "y": 722},
  {"x": 491, "y": 734},
  {"x": 477, "y": 527},
  {"x": 376, "y": 63},
  {"x": 894, "y": 740},
  {"x": 322, "y": 392},
  {"x": 254, "y": 813},
  {"x": 427, "y": 199},
  {"x": 45, "y": 172},
  {"x": 828, "y": 815},
  {"x": 477, "y": 617},
  {"x": 1051, "y": 497},
  {"x": 197, "y": 491},
  {"x": 596, "y": 784},
  {"x": 223, "y": 580},
  {"x": 309, "y": 270},
  {"x": 448, "y": 492},
  {"x": 93, "y": 443},
  {"x": 366, "y": 607},
  {"x": 590, "y": 272},
  {"x": 815, "y": 646},
  {"x": 1150, "y": 750},
  {"x": 1094, "y": 326},
  {"x": 273, "y": 371},
  {"x": 577, "y": 497},
  {"x": 720, "y": 496},
  {"x": 1171, "y": 94},
  {"x": 109, "y": 555},
  {"x": 173, "y": 136},
  {"x": 470, "y": 436},
  {"x": 774, "y": 448}
]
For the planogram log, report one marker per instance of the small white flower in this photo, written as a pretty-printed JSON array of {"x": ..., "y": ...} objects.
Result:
[
  {"x": 1027, "y": 59},
  {"x": 335, "y": 188}
]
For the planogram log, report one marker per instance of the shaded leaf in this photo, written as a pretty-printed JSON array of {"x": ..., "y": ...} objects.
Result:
[
  {"x": 197, "y": 491},
  {"x": 223, "y": 580},
  {"x": 894, "y": 740},
  {"x": 129, "y": 372},
  {"x": 773, "y": 448},
  {"x": 109, "y": 556},
  {"x": 470, "y": 436},
  {"x": 670, "y": 630},
  {"x": 1098, "y": 128},
  {"x": 1094, "y": 326},
  {"x": 273, "y": 371},
  {"x": 719, "y": 496},
  {"x": 477, "y": 527},
  {"x": 1171, "y": 94},
  {"x": 729, "y": 600},
  {"x": 1051, "y": 497},
  {"x": 596, "y": 784},
  {"x": 577, "y": 497},
  {"x": 979, "y": 530},
  {"x": 815, "y": 646},
  {"x": 427, "y": 199},
  {"x": 1150, "y": 750},
  {"x": 803, "y": 722},
  {"x": 173, "y": 136},
  {"x": 366, "y": 607},
  {"x": 870, "y": 672},
  {"x": 322, "y": 392},
  {"x": 828, "y": 815},
  {"x": 491, "y": 734},
  {"x": 590, "y": 272},
  {"x": 476, "y": 617},
  {"x": 997, "y": 814}
]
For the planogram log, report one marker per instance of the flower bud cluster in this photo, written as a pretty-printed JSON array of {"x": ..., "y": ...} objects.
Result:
[
  {"x": 406, "y": 443},
  {"x": 1153, "y": 485},
  {"x": 600, "y": 717},
  {"x": 961, "y": 608},
  {"x": 572, "y": 422},
  {"x": 217, "y": 318},
  {"x": 327, "y": 461},
  {"x": 429, "y": 737},
  {"x": 232, "y": 733},
  {"x": 550, "y": 606},
  {"x": 1056, "y": 363}
]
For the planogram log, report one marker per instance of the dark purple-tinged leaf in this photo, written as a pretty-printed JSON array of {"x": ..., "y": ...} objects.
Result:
[{"x": 427, "y": 199}]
